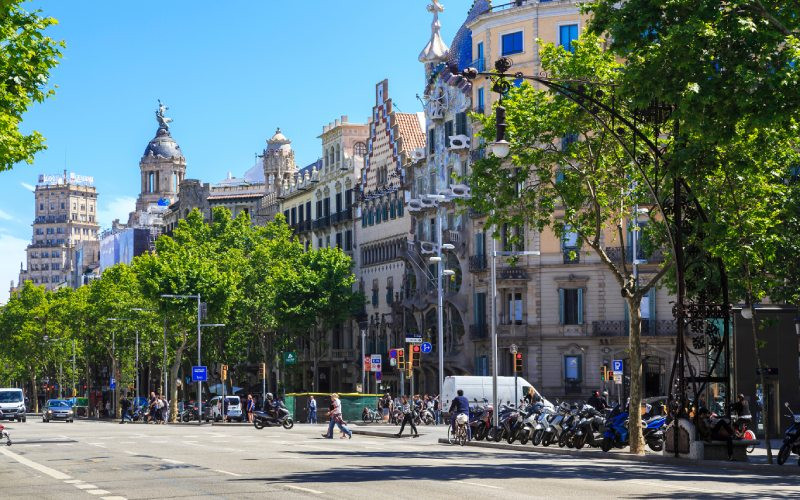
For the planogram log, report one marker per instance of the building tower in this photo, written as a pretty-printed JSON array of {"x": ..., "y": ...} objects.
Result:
[
  {"x": 279, "y": 166},
  {"x": 163, "y": 167},
  {"x": 65, "y": 232}
]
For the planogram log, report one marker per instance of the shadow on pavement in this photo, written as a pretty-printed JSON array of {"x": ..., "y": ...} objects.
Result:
[{"x": 477, "y": 466}]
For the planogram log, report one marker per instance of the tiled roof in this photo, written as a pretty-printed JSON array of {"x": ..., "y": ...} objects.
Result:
[{"x": 409, "y": 132}]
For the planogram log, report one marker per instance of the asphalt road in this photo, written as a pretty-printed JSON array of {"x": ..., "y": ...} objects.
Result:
[{"x": 88, "y": 460}]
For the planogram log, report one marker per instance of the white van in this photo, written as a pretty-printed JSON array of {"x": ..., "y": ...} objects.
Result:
[
  {"x": 480, "y": 388},
  {"x": 12, "y": 404},
  {"x": 234, "y": 411}
]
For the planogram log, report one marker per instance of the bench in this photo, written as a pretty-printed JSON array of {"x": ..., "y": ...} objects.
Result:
[{"x": 718, "y": 450}]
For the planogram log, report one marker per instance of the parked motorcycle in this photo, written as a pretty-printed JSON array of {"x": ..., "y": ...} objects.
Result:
[
  {"x": 555, "y": 425},
  {"x": 653, "y": 432},
  {"x": 278, "y": 415},
  {"x": 616, "y": 433},
  {"x": 481, "y": 421},
  {"x": 791, "y": 438},
  {"x": 589, "y": 429}
]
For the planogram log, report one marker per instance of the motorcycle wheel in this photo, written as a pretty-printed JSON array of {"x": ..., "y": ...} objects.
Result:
[
  {"x": 258, "y": 424},
  {"x": 512, "y": 436},
  {"x": 580, "y": 442},
  {"x": 523, "y": 438},
  {"x": 546, "y": 440},
  {"x": 498, "y": 435},
  {"x": 478, "y": 434},
  {"x": 656, "y": 445},
  {"x": 606, "y": 444},
  {"x": 784, "y": 453},
  {"x": 288, "y": 423},
  {"x": 562, "y": 441},
  {"x": 536, "y": 440}
]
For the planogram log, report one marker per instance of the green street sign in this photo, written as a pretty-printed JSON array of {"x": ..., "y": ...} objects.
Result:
[{"x": 290, "y": 358}]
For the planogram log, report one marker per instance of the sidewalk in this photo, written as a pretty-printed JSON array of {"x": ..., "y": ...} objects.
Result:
[{"x": 757, "y": 464}]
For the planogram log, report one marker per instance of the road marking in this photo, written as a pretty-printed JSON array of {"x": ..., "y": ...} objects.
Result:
[
  {"x": 481, "y": 484},
  {"x": 113, "y": 498},
  {"x": 73, "y": 481},
  {"x": 129, "y": 452},
  {"x": 169, "y": 460},
  {"x": 300, "y": 488},
  {"x": 666, "y": 485},
  {"x": 33, "y": 465},
  {"x": 85, "y": 486},
  {"x": 97, "y": 492},
  {"x": 228, "y": 473},
  {"x": 127, "y": 442}
]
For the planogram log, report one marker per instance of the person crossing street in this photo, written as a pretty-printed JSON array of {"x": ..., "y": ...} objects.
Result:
[{"x": 408, "y": 418}]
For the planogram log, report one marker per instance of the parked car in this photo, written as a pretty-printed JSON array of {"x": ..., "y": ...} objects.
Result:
[
  {"x": 12, "y": 404},
  {"x": 233, "y": 412},
  {"x": 57, "y": 409}
]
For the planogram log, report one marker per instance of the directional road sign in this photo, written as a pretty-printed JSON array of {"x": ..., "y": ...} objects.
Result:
[
  {"x": 199, "y": 374},
  {"x": 427, "y": 347},
  {"x": 414, "y": 340},
  {"x": 616, "y": 365}
]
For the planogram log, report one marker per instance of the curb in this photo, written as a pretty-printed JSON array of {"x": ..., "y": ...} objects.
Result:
[
  {"x": 382, "y": 434},
  {"x": 717, "y": 465}
]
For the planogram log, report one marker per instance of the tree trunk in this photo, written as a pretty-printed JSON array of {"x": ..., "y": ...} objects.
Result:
[
  {"x": 635, "y": 366},
  {"x": 34, "y": 392},
  {"x": 764, "y": 390},
  {"x": 173, "y": 383}
]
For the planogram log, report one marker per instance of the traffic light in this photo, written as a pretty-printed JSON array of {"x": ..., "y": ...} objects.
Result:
[
  {"x": 417, "y": 350},
  {"x": 401, "y": 359},
  {"x": 262, "y": 370},
  {"x": 603, "y": 373},
  {"x": 517, "y": 362},
  {"x": 224, "y": 372},
  {"x": 410, "y": 363}
]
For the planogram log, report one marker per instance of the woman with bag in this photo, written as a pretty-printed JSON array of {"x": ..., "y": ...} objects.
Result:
[{"x": 335, "y": 416}]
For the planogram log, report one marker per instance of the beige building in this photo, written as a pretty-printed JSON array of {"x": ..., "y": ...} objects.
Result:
[
  {"x": 565, "y": 314},
  {"x": 65, "y": 243}
]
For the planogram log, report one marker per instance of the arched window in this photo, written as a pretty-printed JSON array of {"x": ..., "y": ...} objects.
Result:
[
  {"x": 392, "y": 209},
  {"x": 338, "y": 154},
  {"x": 151, "y": 182},
  {"x": 174, "y": 182},
  {"x": 386, "y": 210},
  {"x": 378, "y": 213},
  {"x": 399, "y": 208}
]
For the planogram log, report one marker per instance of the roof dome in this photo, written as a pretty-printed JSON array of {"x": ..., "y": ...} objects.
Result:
[
  {"x": 163, "y": 145},
  {"x": 279, "y": 142},
  {"x": 460, "y": 55}
]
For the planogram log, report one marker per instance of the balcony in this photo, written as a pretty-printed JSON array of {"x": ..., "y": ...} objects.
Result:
[
  {"x": 478, "y": 332},
  {"x": 322, "y": 222},
  {"x": 451, "y": 236},
  {"x": 343, "y": 354},
  {"x": 50, "y": 219},
  {"x": 342, "y": 216},
  {"x": 477, "y": 263},
  {"x": 513, "y": 273},
  {"x": 615, "y": 255},
  {"x": 658, "y": 328},
  {"x": 479, "y": 64}
]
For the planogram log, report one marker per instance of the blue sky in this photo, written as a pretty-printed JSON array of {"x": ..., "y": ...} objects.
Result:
[{"x": 231, "y": 72}]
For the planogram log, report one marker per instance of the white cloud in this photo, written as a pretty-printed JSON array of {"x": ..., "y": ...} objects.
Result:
[
  {"x": 29, "y": 187},
  {"x": 5, "y": 215},
  {"x": 13, "y": 251},
  {"x": 116, "y": 208}
]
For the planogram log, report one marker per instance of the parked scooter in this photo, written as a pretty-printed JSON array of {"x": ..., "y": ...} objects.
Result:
[
  {"x": 589, "y": 430},
  {"x": 791, "y": 438},
  {"x": 616, "y": 433},
  {"x": 276, "y": 415},
  {"x": 653, "y": 432},
  {"x": 481, "y": 420},
  {"x": 555, "y": 425}
]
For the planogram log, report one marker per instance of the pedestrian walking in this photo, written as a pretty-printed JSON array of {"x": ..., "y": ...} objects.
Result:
[
  {"x": 125, "y": 404},
  {"x": 251, "y": 407},
  {"x": 164, "y": 409},
  {"x": 437, "y": 410},
  {"x": 312, "y": 410},
  {"x": 335, "y": 418},
  {"x": 408, "y": 418},
  {"x": 386, "y": 410}
]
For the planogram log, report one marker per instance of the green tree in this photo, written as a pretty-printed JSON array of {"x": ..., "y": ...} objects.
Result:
[
  {"x": 572, "y": 176},
  {"x": 26, "y": 58}
]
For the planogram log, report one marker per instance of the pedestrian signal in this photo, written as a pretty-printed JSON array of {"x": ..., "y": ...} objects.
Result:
[
  {"x": 517, "y": 362},
  {"x": 401, "y": 358},
  {"x": 604, "y": 374},
  {"x": 224, "y": 372},
  {"x": 417, "y": 350},
  {"x": 262, "y": 370}
]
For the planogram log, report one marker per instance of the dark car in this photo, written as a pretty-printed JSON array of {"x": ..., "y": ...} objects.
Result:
[{"x": 58, "y": 409}]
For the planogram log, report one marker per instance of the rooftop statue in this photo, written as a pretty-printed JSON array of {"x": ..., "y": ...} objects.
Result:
[{"x": 163, "y": 121}]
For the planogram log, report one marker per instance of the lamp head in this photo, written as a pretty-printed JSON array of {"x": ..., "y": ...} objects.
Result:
[{"x": 501, "y": 149}]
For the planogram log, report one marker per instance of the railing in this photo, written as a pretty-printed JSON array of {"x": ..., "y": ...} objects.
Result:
[
  {"x": 658, "y": 328},
  {"x": 42, "y": 219},
  {"x": 479, "y": 64},
  {"x": 478, "y": 332},
  {"x": 343, "y": 354},
  {"x": 342, "y": 216},
  {"x": 474, "y": 214},
  {"x": 615, "y": 255},
  {"x": 512, "y": 273},
  {"x": 451, "y": 236},
  {"x": 322, "y": 222},
  {"x": 477, "y": 263}
]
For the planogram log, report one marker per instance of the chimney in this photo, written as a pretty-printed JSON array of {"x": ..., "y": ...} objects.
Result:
[{"x": 344, "y": 118}]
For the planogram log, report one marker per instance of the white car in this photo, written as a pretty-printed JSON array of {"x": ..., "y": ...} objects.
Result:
[
  {"x": 234, "y": 411},
  {"x": 12, "y": 404}
]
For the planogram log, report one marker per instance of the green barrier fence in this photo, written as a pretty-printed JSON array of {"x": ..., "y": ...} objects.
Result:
[{"x": 352, "y": 405}]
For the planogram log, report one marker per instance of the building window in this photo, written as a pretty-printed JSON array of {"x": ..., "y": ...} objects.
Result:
[
  {"x": 63, "y": 205},
  {"x": 431, "y": 142},
  {"x": 338, "y": 240},
  {"x": 294, "y": 216},
  {"x": 389, "y": 290},
  {"x": 514, "y": 308},
  {"x": 338, "y": 202},
  {"x": 399, "y": 208},
  {"x": 461, "y": 123},
  {"x": 573, "y": 368},
  {"x": 569, "y": 245},
  {"x": 348, "y": 240},
  {"x": 448, "y": 129},
  {"x": 481, "y": 65},
  {"x": 512, "y": 43},
  {"x": 375, "y": 293},
  {"x": 481, "y": 100},
  {"x": 567, "y": 34},
  {"x": 570, "y": 301}
]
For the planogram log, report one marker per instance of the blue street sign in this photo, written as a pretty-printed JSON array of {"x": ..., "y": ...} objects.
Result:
[
  {"x": 112, "y": 384},
  {"x": 617, "y": 365},
  {"x": 199, "y": 374},
  {"x": 378, "y": 377},
  {"x": 426, "y": 347}
]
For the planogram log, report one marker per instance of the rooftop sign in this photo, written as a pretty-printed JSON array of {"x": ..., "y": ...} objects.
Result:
[{"x": 61, "y": 179}]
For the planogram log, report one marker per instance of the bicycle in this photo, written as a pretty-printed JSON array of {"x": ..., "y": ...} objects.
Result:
[
  {"x": 369, "y": 415},
  {"x": 746, "y": 433},
  {"x": 460, "y": 434}
]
